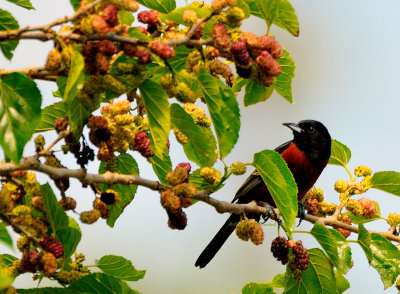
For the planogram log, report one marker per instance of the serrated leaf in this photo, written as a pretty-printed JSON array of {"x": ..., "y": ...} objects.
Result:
[
  {"x": 49, "y": 116},
  {"x": 280, "y": 183},
  {"x": 256, "y": 288},
  {"x": 199, "y": 147},
  {"x": 23, "y": 3},
  {"x": 335, "y": 245},
  {"x": 362, "y": 220},
  {"x": 341, "y": 283},
  {"x": 126, "y": 165},
  {"x": 278, "y": 281},
  {"x": 75, "y": 4},
  {"x": 316, "y": 279},
  {"x": 364, "y": 239},
  {"x": 283, "y": 83},
  {"x": 157, "y": 108},
  {"x": 340, "y": 153},
  {"x": 388, "y": 181},
  {"x": 125, "y": 17},
  {"x": 7, "y": 260},
  {"x": 164, "y": 6},
  {"x": 255, "y": 93},
  {"x": 278, "y": 12},
  {"x": 196, "y": 180},
  {"x": 176, "y": 14},
  {"x": 161, "y": 165},
  {"x": 136, "y": 33},
  {"x": 5, "y": 237},
  {"x": 120, "y": 268},
  {"x": 61, "y": 83},
  {"x": 224, "y": 111},
  {"x": 70, "y": 238},
  {"x": 8, "y": 22},
  {"x": 239, "y": 83},
  {"x": 77, "y": 112},
  {"x": 48, "y": 290},
  {"x": 56, "y": 216},
  {"x": 99, "y": 283},
  {"x": 385, "y": 259},
  {"x": 20, "y": 102}
]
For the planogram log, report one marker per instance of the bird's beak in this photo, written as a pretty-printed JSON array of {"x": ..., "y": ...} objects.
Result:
[{"x": 293, "y": 126}]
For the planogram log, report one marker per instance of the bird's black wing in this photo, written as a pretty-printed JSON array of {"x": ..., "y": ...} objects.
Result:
[{"x": 254, "y": 179}]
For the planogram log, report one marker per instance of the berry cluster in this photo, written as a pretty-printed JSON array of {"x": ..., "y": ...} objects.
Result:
[
  {"x": 151, "y": 19},
  {"x": 198, "y": 114},
  {"x": 344, "y": 219},
  {"x": 52, "y": 245},
  {"x": 97, "y": 56},
  {"x": 180, "y": 91},
  {"x": 250, "y": 229},
  {"x": 100, "y": 207},
  {"x": 316, "y": 205},
  {"x": 179, "y": 196},
  {"x": 280, "y": 249},
  {"x": 237, "y": 168},
  {"x": 298, "y": 262}
]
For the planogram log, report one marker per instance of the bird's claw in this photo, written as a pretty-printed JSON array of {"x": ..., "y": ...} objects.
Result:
[
  {"x": 270, "y": 212},
  {"x": 301, "y": 213}
]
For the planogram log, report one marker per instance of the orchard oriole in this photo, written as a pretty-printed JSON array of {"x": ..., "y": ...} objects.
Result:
[{"x": 306, "y": 156}]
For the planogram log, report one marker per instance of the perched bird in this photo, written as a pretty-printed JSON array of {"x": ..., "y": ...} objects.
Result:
[{"x": 306, "y": 156}]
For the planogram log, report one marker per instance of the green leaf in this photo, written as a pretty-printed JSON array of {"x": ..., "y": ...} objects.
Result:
[
  {"x": 179, "y": 61},
  {"x": 49, "y": 116},
  {"x": 126, "y": 165},
  {"x": 388, "y": 181},
  {"x": 75, "y": 4},
  {"x": 47, "y": 290},
  {"x": 385, "y": 259},
  {"x": 341, "y": 283},
  {"x": 224, "y": 111},
  {"x": 283, "y": 84},
  {"x": 176, "y": 14},
  {"x": 245, "y": 7},
  {"x": 70, "y": 238},
  {"x": 7, "y": 260},
  {"x": 196, "y": 180},
  {"x": 164, "y": 6},
  {"x": 239, "y": 83},
  {"x": 364, "y": 239},
  {"x": 56, "y": 216},
  {"x": 23, "y": 3},
  {"x": 5, "y": 236},
  {"x": 278, "y": 12},
  {"x": 125, "y": 17},
  {"x": 255, "y": 93},
  {"x": 5, "y": 281},
  {"x": 136, "y": 33},
  {"x": 157, "y": 108},
  {"x": 199, "y": 147},
  {"x": 20, "y": 102},
  {"x": 279, "y": 281},
  {"x": 8, "y": 22},
  {"x": 340, "y": 153},
  {"x": 77, "y": 112},
  {"x": 61, "y": 83},
  {"x": 120, "y": 268},
  {"x": 161, "y": 165},
  {"x": 99, "y": 283},
  {"x": 256, "y": 288},
  {"x": 316, "y": 279},
  {"x": 362, "y": 220},
  {"x": 335, "y": 245},
  {"x": 280, "y": 183}
]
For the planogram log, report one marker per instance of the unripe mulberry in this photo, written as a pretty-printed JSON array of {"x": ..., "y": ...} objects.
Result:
[
  {"x": 237, "y": 168},
  {"x": 106, "y": 47},
  {"x": 341, "y": 186},
  {"x": 48, "y": 263},
  {"x": 311, "y": 205},
  {"x": 110, "y": 197},
  {"x": 185, "y": 165},
  {"x": 368, "y": 207},
  {"x": 130, "y": 5},
  {"x": 110, "y": 14},
  {"x": 317, "y": 194},
  {"x": 68, "y": 203},
  {"x": 53, "y": 60},
  {"x": 393, "y": 219},
  {"x": 60, "y": 124},
  {"x": 220, "y": 36},
  {"x": 240, "y": 53},
  {"x": 99, "y": 25},
  {"x": 234, "y": 16},
  {"x": 185, "y": 190},
  {"x": 242, "y": 230},
  {"x": 89, "y": 217},
  {"x": 189, "y": 16},
  {"x": 218, "y": 5},
  {"x": 102, "y": 207},
  {"x": 280, "y": 249},
  {"x": 211, "y": 175},
  {"x": 148, "y": 17},
  {"x": 177, "y": 176},
  {"x": 23, "y": 243},
  {"x": 267, "y": 63},
  {"x": 177, "y": 220},
  {"x": 220, "y": 68},
  {"x": 30, "y": 261},
  {"x": 37, "y": 203},
  {"x": 256, "y": 232},
  {"x": 362, "y": 171},
  {"x": 180, "y": 137},
  {"x": 301, "y": 256},
  {"x": 326, "y": 208},
  {"x": 52, "y": 245},
  {"x": 183, "y": 93},
  {"x": 161, "y": 49},
  {"x": 345, "y": 219},
  {"x": 170, "y": 201},
  {"x": 354, "y": 206}
]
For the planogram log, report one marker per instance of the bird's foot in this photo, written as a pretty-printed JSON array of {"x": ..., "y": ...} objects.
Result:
[
  {"x": 270, "y": 212},
  {"x": 301, "y": 213}
]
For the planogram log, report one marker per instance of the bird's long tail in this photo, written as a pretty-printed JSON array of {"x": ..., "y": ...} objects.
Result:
[{"x": 219, "y": 239}]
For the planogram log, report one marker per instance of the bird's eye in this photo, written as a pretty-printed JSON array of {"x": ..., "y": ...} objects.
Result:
[{"x": 310, "y": 129}]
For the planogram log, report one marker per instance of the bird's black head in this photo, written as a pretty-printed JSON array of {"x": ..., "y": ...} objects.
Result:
[{"x": 313, "y": 138}]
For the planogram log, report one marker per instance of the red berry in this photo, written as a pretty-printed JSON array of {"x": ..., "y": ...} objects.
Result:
[
  {"x": 220, "y": 35},
  {"x": 141, "y": 143},
  {"x": 185, "y": 165},
  {"x": 52, "y": 245},
  {"x": 268, "y": 63},
  {"x": 240, "y": 53},
  {"x": 100, "y": 26},
  {"x": 110, "y": 15},
  {"x": 149, "y": 17},
  {"x": 280, "y": 249},
  {"x": 144, "y": 56},
  {"x": 161, "y": 49},
  {"x": 106, "y": 47}
]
